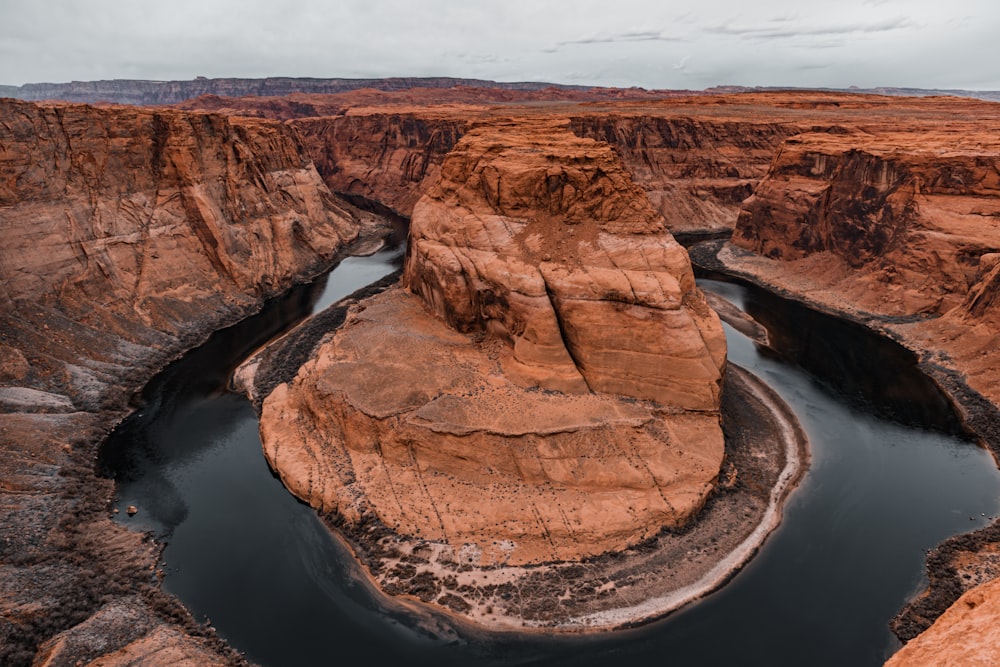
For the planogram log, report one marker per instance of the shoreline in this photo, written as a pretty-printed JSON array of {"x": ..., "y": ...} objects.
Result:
[
  {"x": 607, "y": 592},
  {"x": 960, "y": 562},
  {"x": 797, "y": 460}
]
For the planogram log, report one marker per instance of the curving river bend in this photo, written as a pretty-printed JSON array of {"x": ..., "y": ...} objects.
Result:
[{"x": 243, "y": 553}]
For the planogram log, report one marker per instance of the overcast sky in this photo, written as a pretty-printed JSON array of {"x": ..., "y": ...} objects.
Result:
[{"x": 653, "y": 44}]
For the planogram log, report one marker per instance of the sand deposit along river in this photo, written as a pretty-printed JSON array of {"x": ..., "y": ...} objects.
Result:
[{"x": 888, "y": 480}]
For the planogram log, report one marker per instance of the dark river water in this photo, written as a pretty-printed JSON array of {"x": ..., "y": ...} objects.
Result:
[{"x": 888, "y": 480}]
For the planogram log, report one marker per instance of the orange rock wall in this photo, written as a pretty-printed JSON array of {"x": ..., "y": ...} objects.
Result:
[
  {"x": 966, "y": 634},
  {"x": 534, "y": 262},
  {"x": 381, "y": 157},
  {"x": 128, "y": 235},
  {"x": 542, "y": 238},
  {"x": 694, "y": 171},
  {"x": 909, "y": 215}
]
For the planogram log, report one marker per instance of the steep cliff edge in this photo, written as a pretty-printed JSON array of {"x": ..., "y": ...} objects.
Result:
[
  {"x": 382, "y": 157},
  {"x": 966, "y": 634},
  {"x": 129, "y": 235},
  {"x": 898, "y": 228},
  {"x": 905, "y": 217},
  {"x": 695, "y": 171}
]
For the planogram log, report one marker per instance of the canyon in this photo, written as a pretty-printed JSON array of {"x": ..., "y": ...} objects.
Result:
[{"x": 131, "y": 233}]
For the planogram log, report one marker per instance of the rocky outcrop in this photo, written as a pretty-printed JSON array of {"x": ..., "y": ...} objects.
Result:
[
  {"x": 544, "y": 241},
  {"x": 129, "y": 235},
  {"x": 966, "y": 634},
  {"x": 547, "y": 390},
  {"x": 905, "y": 217},
  {"x": 380, "y": 157},
  {"x": 898, "y": 227},
  {"x": 695, "y": 171}
]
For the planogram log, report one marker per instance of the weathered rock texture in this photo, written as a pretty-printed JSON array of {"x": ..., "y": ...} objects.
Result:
[
  {"x": 968, "y": 633},
  {"x": 695, "y": 171},
  {"x": 497, "y": 412},
  {"x": 380, "y": 157},
  {"x": 897, "y": 225},
  {"x": 128, "y": 236},
  {"x": 545, "y": 242},
  {"x": 906, "y": 216}
]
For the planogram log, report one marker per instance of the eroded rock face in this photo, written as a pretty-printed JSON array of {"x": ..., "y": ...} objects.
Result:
[
  {"x": 966, "y": 634},
  {"x": 128, "y": 235},
  {"x": 546, "y": 243},
  {"x": 695, "y": 171},
  {"x": 549, "y": 387},
  {"x": 899, "y": 228},
  {"x": 383, "y": 157},
  {"x": 900, "y": 220}
]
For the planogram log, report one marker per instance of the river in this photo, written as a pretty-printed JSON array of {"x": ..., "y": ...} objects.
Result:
[{"x": 889, "y": 479}]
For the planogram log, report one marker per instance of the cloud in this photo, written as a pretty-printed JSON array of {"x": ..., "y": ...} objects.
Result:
[
  {"x": 682, "y": 64},
  {"x": 626, "y": 36},
  {"x": 771, "y": 32}
]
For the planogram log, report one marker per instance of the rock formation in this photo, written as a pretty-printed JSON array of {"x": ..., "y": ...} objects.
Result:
[
  {"x": 549, "y": 390},
  {"x": 906, "y": 217},
  {"x": 897, "y": 225},
  {"x": 966, "y": 634},
  {"x": 381, "y": 157},
  {"x": 128, "y": 236},
  {"x": 695, "y": 171}
]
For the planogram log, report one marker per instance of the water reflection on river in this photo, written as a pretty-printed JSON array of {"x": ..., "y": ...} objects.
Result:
[{"x": 242, "y": 552}]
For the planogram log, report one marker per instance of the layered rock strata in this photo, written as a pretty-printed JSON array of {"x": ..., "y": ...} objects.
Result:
[
  {"x": 381, "y": 157},
  {"x": 128, "y": 236},
  {"x": 903, "y": 223},
  {"x": 547, "y": 389},
  {"x": 695, "y": 171},
  {"x": 966, "y": 634},
  {"x": 899, "y": 230}
]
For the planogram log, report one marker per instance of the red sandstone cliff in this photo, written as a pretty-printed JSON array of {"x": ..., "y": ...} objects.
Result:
[
  {"x": 128, "y": 235},
  {"x": 907, "y": 216},
  {"x": 383, "y": 157},
  {"x": 695, "y": 171},
  {"x": 140, "y": 214},
  {"x": 898, "y": 226}
]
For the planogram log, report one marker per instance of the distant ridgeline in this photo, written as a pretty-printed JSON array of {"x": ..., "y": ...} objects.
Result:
[
  {"x": 129, "y": 91},
  {"x": 988, "y": 95},
  {"x": 138, "y": 91}
]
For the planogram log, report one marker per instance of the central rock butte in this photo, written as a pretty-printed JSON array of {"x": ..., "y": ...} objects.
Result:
[{"x": 545, "y": 388}]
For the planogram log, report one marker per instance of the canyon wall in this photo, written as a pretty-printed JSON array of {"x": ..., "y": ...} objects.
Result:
[
  {"x": 382, "y": 157},
  {"x": 695, "y": 171},
  {"x": 547, "y": 390},
  {"x": 128, "y": 236},
  {"x": 695, "y": 164},
  {"x": 898, "y": 226},
  {"x": 906, "y": 216}
]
